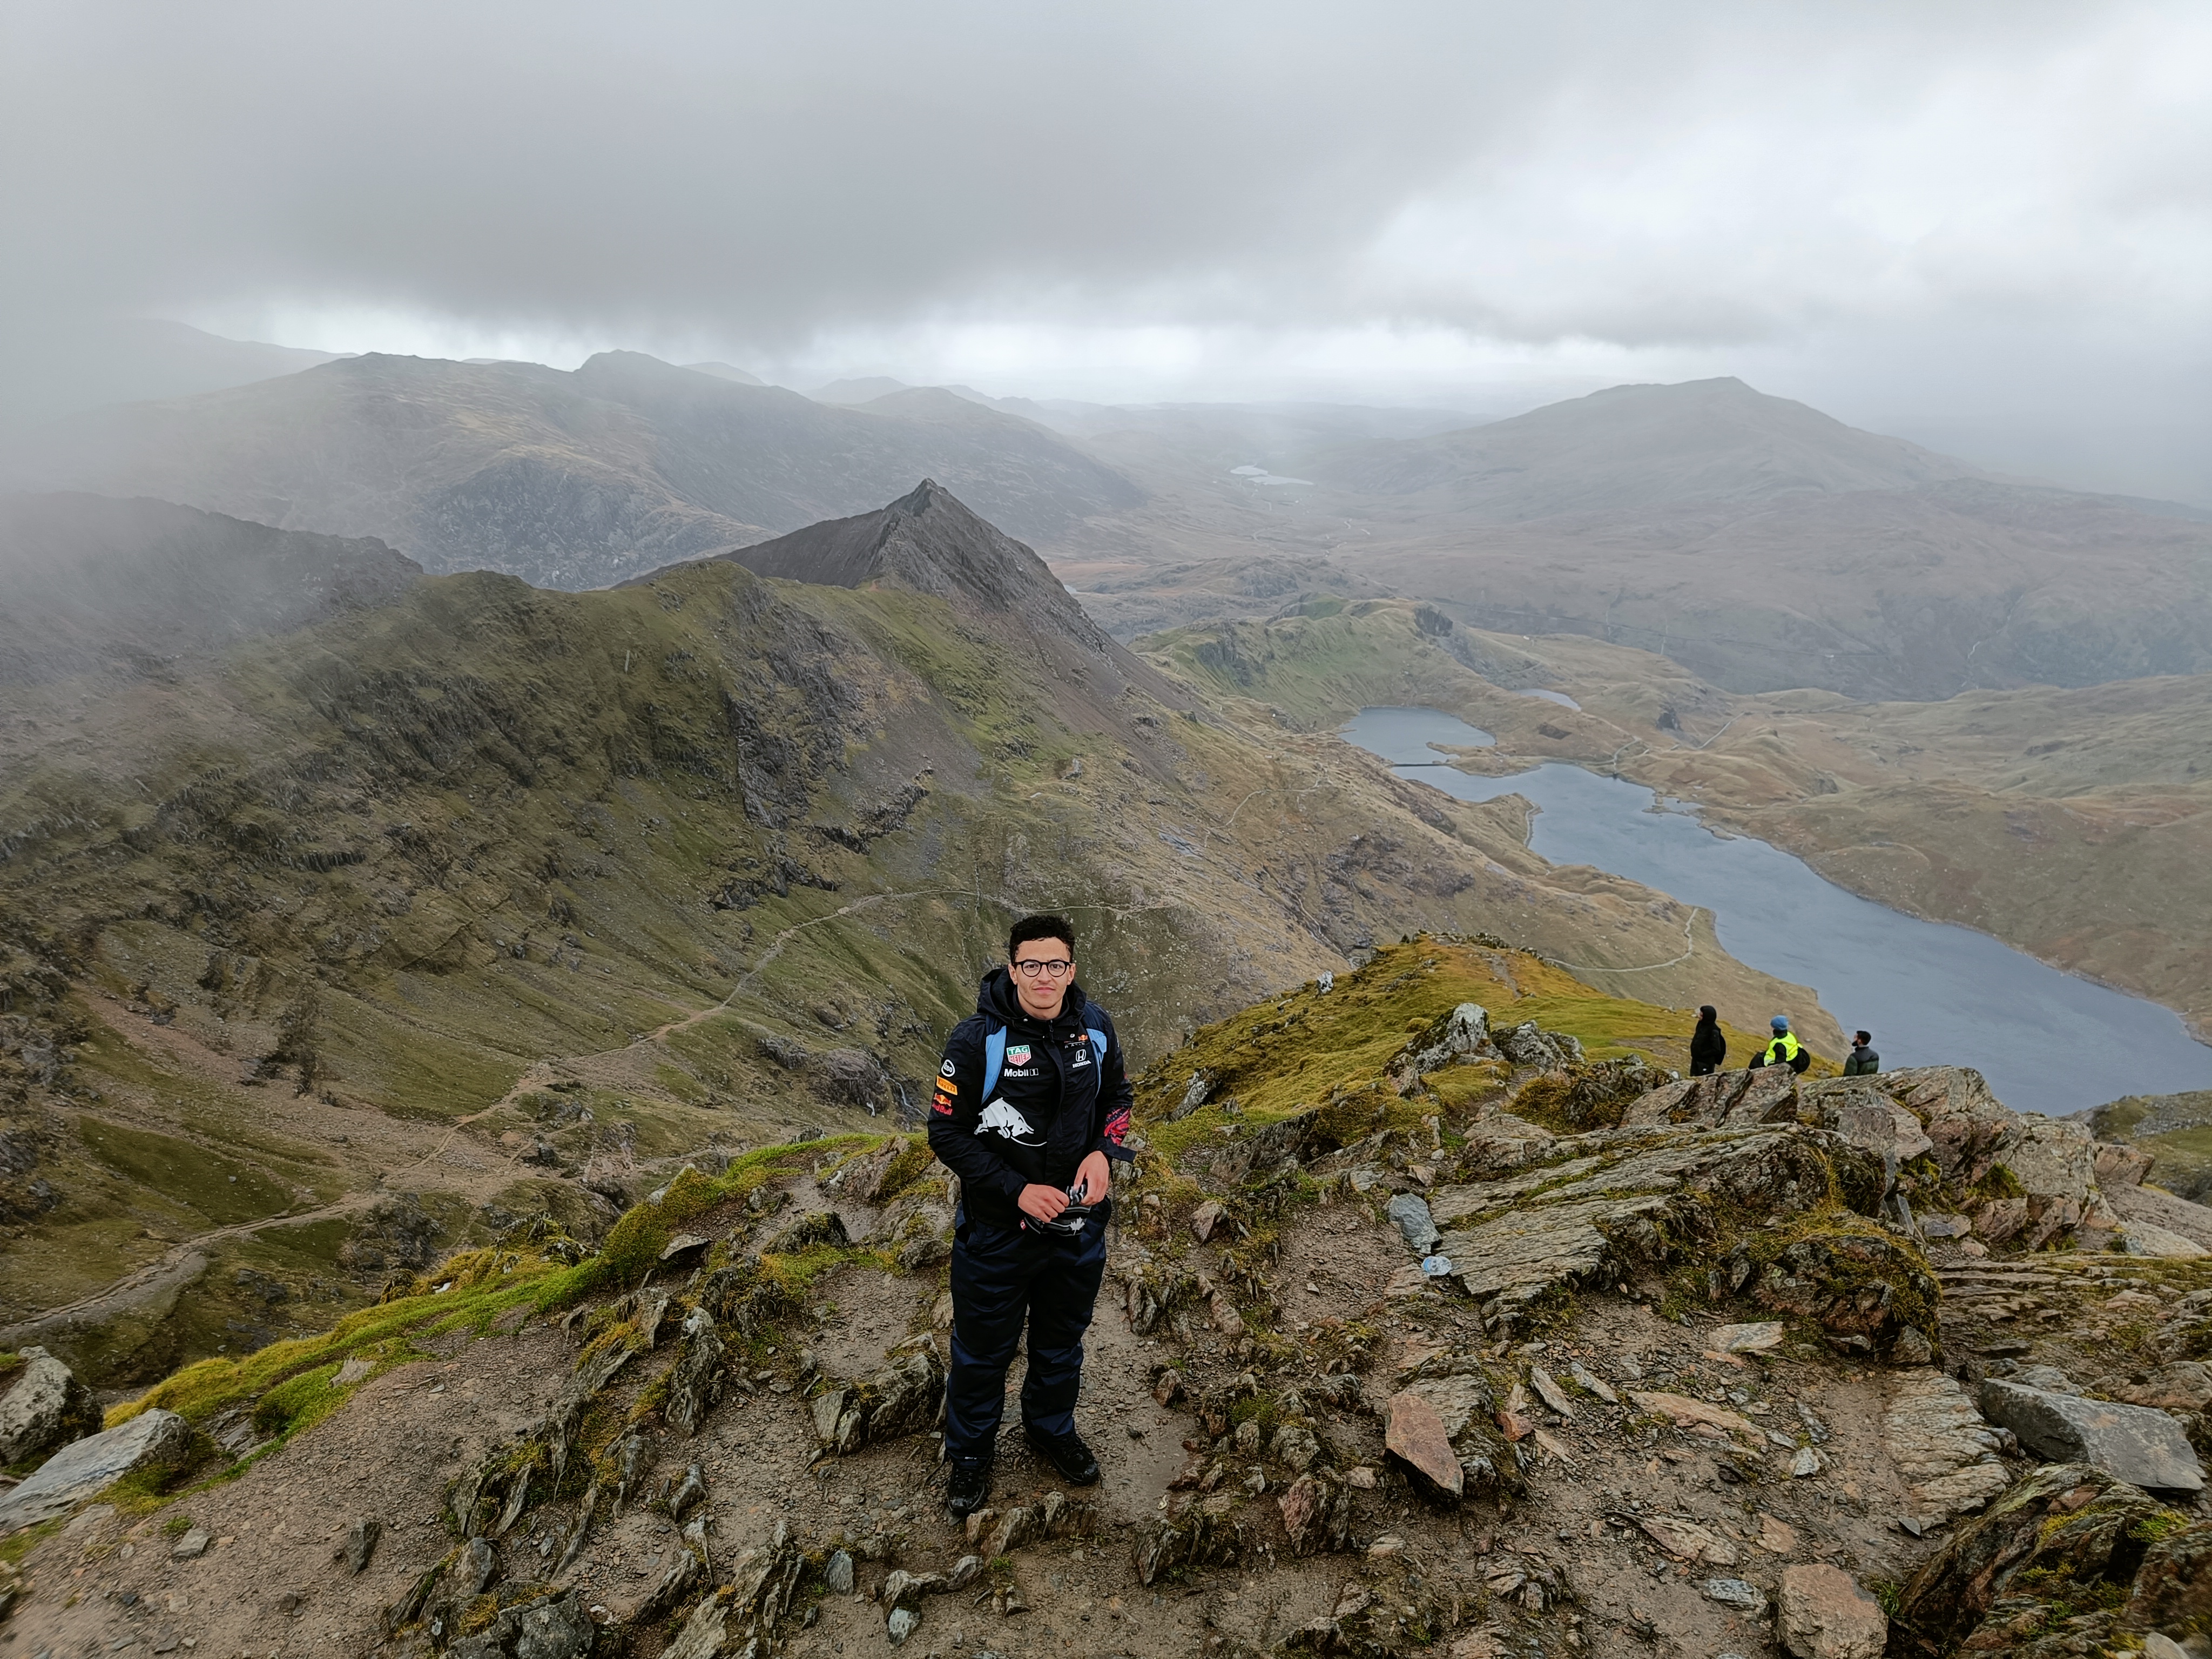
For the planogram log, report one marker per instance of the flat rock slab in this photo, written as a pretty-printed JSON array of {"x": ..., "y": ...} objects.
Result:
[
  {"x": 2133, "y": 1443},
  {"x": 1510, "y": 1261},
  {"x": 1415, "y": 1435},
  {"x": 2147, "y": 1206},
  {"x": 1942, "y": 1447},
  {"x": 1746, "y": 1338},
  {"x": 1688, "y": 1541},
  {"x": 1456, "y": 1400},
  {"x": 1825, "y": 1614},
  {"x": 1461, "y": 1206},
  {"x": 79, "y": 1469},
  {"x": 1690, "y": 1413}
]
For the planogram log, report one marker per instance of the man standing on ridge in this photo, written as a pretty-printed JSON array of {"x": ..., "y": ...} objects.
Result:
[
  {"x": 1708, "y": 1043},
  {"x": 1784, "y": 1049},
  {"x": 1862, "y": 1061},
  {"x": 1032, "y": 1100}
]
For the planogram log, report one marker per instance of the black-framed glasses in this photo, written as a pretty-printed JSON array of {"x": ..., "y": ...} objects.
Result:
[{"x": 1053, "y": 970}]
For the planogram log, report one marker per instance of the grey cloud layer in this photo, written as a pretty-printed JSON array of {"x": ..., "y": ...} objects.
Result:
[{"x": 1621, "y": 172}]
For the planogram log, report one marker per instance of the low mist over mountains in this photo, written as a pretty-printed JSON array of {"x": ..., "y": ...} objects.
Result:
[
  {"x": 1758, "y": 542},
  {"x": 570, "y": 480},
  {"x": 103, "y": 587},
  {"x": 50, "y": 366}
]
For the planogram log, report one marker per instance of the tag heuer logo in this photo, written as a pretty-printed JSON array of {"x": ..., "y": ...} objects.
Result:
[
  {"x": 1018, "y": 1056},
  {"x": 945, "y": 1070}
]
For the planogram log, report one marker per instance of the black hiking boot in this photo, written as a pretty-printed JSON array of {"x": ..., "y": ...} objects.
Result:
[
  {"x": 968, "y": 1486},
  {"x": 1067, "y": 1453}
]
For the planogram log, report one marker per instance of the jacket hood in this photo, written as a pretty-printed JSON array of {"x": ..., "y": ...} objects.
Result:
[{"x": 997, "y": 1000}]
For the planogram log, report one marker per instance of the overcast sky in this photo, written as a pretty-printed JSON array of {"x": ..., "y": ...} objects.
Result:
[{"x": 1986, "y": 226}]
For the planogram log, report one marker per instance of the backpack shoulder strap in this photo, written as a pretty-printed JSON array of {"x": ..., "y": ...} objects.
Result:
[
  {"x": 1098, "y": 1042},
  {"x": 994, "y": 1059}
]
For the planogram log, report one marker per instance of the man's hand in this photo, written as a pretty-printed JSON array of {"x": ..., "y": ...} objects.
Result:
[
  {"x": 1092, "y": 1179},
  {"x": 1041, "y": 1203}
]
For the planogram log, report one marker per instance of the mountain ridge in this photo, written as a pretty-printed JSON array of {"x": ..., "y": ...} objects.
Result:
[
  {"x": 570, "y": 479},
  {"x": 1638, "y": 446}
]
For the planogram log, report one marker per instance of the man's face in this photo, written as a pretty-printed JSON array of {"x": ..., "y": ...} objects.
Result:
[{"x": 1044, "y": 969}]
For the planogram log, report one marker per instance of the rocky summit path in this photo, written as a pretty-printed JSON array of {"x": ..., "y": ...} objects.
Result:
[{"x": 1751, "y": 1365}]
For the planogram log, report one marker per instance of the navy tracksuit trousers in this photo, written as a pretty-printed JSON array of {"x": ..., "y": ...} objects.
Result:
[{"x": 1002, "y": 1276}]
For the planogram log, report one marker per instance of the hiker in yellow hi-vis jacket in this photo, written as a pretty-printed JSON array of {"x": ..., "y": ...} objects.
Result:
[{"x": 1784, "y": 1049}]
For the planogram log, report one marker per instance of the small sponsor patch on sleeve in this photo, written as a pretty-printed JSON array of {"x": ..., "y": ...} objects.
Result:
[{"x": 946, "y": 1096}]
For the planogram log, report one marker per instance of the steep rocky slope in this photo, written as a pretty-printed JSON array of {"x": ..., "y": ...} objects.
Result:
[
  {"x": 1673, "y": 1391},
  {"x": 570, "y": 480},
  {"x": 329, "y": 952}
]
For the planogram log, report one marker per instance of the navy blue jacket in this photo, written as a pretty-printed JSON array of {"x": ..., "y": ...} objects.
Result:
[{"x": 1057, "y": 1100}]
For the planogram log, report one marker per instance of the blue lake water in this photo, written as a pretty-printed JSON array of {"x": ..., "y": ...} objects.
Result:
[{"x": 1932, "y": 993}]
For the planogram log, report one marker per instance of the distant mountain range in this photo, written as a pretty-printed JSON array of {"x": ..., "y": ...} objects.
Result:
[
  {"x": 1636, "y": 447},
  {"x": 569, "y": 480}
]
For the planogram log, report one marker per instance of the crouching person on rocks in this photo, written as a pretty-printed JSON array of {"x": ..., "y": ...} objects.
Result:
[{"x": 1032, "y": 1100}]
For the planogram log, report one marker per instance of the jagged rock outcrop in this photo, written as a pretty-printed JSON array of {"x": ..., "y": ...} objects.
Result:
[
  {"x": 2068, "y": 1561},
  {"x": 1637, "y": 1200},
  {"x": 2016, "y": 1179},
  {"x": 1943, "y": 1448},
  {"x": 902, "y": 1398}
]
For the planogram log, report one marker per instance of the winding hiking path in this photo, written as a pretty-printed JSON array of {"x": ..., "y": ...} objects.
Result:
[{"x": 180, "y": 1263}]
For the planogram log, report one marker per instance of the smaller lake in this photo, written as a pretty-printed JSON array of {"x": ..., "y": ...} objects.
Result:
[{"x": 1932, "y": 993}]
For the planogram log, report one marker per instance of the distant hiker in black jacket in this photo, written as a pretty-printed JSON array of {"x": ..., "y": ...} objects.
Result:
[
  {"x": 1784, "y": 1049},
  {"x": 1862, "y": 1061},
  {"x": 1708, "y": 1046},
  {"x": 1032, "y": 1100}
]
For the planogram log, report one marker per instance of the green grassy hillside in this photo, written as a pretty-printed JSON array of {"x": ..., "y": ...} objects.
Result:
[{"x": 350, "y": 947}]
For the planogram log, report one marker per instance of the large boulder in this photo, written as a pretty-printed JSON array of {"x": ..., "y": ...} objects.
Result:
[
  {"x": 1854, "y": 1109},
  {"x": 1823, "y": 1614},
  {"x": 1526, "y": 1045},
  {"x": 1869, "y": 1289},
  {"x": 44, "y": 1406},
  {"x": 2133, "y": 1443},
  {"x": 151, "y": 1439},
  {"x": 1462, "y": 1034}
]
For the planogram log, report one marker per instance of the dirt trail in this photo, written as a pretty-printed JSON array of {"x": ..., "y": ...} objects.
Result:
[{"x": 186, "y": 1259}]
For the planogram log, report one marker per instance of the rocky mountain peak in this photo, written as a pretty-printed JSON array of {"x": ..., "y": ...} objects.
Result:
[{"x": 929, "y": 541}]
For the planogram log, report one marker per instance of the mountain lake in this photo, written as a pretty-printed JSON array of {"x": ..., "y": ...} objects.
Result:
[{"x": 1933, "y": 994}]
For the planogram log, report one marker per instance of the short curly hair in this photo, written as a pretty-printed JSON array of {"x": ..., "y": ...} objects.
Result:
[{"x": 1036, "y": 928}]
